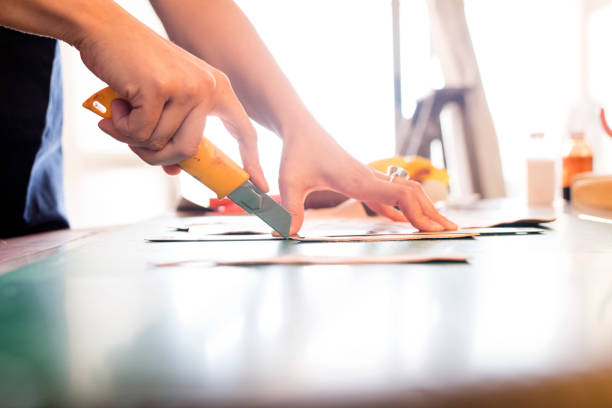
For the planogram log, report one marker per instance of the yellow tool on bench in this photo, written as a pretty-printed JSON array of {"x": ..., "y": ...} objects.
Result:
[{"x": 217, "y": 171}]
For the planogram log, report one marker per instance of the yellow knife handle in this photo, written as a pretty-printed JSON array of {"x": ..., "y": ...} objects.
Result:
[{"x": 210, "y": 165}]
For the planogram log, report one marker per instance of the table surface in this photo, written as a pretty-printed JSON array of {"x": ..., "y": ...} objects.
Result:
[{"x": 527, "y": 321}]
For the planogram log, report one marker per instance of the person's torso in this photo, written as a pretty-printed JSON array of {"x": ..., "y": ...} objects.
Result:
[{"x": 30, "y": 133}]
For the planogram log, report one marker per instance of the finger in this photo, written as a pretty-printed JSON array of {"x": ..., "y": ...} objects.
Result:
[
  {"x": 404, "y": 195},
  {"x": 426, "y": 205},
  {"x": 170, "y": 121},
  {"x": 249, "y": 154},
  {"x": 106, "y": 125},
  {"x": 292, "y": 199},
  {"x": 237, "y": 122},
  {"x": 120, "y": 109},
  {"x": 138, "y": 122},
  {"x": 182, "y": 146},
  {"x": 430, "y": 210},
  {"x": 386, "y": 211},
  {"x": 172, "y": 170},
  {"x": 411, "y": 207}
]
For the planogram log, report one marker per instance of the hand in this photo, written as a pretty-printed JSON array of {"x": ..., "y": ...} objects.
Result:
[
  {"x": 312, "y": 160},
  {"x": 169, "y": 94}
]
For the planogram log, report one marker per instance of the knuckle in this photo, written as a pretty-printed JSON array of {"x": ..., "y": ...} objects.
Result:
[
  {"x": 139, "y": 136},
  {"x": 413, "y": 186},
  {"x": 222, "y": 81},
  {"x": 130, "y": 91},
  {"x": 157, "y": 145},
  {"x": 429, "y": 213},
  {"x": 249, "y": 137},
  {"x": 420, "y": 223},
  {"x": 189, "y": 150},
  {"x": 351, "y": 182},
  {"x": 163, "y": 86},
  {"x": 191, "y": 89},
  {"x": 208, "y": 80},
  {"x": 357, "y": 179}
]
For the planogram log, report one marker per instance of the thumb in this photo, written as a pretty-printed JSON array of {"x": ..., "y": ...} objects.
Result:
[
  {"x": 121, "y": 111},
  {"x": 136, "y": 123},
  {"x": 292, "y": 199}
]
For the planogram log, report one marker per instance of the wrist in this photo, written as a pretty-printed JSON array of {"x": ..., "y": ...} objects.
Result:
[
  {"x": 306, "y": 135},
  {"x": 91, "y": 20},
  {"x": 293, "y": 127}
]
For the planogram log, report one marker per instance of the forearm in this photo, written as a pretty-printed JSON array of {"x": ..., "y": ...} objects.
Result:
[
  {"x": 218, "y": 32},
  {"x": 68, "y": 20}
]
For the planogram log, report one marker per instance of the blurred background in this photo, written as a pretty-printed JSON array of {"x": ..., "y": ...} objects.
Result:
[{"x": 544, "y": 66}]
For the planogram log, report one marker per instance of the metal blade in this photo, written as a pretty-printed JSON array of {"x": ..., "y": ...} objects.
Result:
[{"x": 254, "y": 201}]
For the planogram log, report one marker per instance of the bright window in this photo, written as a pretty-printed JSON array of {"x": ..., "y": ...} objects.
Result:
[{"x": 528, "y": 57}]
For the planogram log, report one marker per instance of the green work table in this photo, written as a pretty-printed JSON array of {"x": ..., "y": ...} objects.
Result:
[{"x": 527, "y": 321}]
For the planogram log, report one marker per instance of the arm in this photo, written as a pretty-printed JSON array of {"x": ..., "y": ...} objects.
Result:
[
  {"x": 169, "y": 91},
  {"x": 67, "y": 21},
  {"x": 217, "y": 31}
]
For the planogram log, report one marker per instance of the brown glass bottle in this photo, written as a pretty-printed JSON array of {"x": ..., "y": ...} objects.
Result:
[{"x": 577, "y": 158}]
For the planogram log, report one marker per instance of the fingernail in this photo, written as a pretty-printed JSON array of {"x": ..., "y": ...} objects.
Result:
[{"x": 437, "y": 226}]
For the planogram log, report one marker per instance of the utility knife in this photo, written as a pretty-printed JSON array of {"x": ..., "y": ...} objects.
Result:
[{"x": 217, "y": 171}]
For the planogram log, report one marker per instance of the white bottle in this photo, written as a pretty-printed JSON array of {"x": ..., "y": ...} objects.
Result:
[{"x": 540, "y": 172}]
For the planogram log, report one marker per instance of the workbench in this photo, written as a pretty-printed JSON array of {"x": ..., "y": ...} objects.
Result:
[{"x": 93, "y": 322}]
